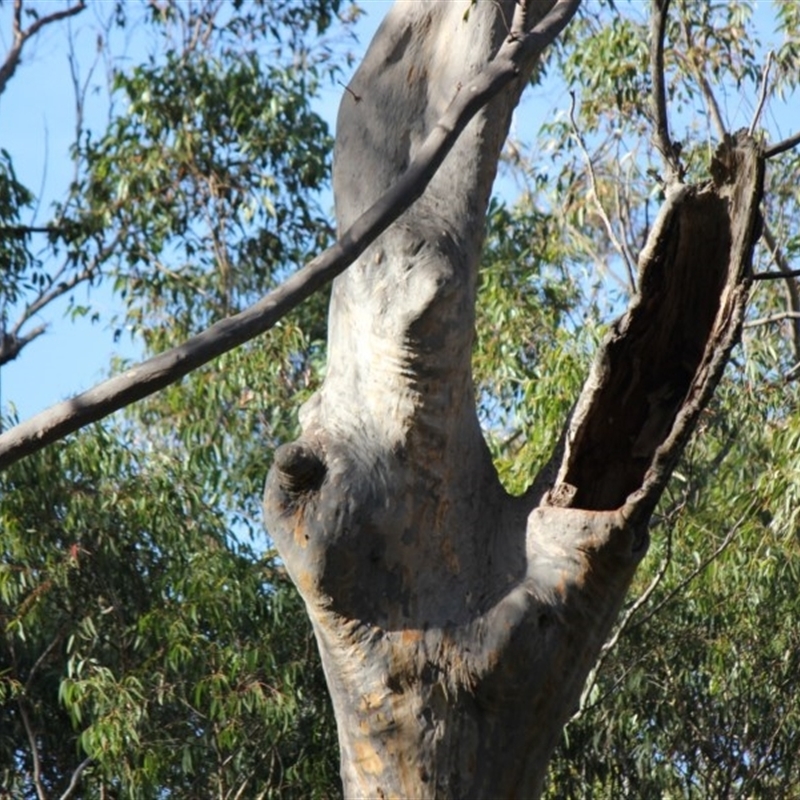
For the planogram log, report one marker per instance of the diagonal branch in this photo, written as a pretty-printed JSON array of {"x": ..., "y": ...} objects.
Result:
[
  {"x": 11, "y": 342},
  {"x": 629, "y": 623},
  {"x": 677, "y": 590},
  {"x": 516, "y": 53},
  {"x": 622, "y": 626},
  {"x": 9, "y": 66}
]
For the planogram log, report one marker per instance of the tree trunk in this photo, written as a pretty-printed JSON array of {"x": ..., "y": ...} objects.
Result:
[{"x": 456, "y": 623}]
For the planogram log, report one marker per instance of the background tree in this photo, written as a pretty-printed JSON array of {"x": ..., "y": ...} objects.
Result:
[
  {"x": 136, "y": 660},
  {"x": 526, "y": 383}
]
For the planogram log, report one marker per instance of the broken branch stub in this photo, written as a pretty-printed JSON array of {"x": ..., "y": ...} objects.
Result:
[{"x": 663, "y": 359}]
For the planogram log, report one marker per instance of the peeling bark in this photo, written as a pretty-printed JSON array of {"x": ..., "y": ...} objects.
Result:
[{"x": 456, "y": 623}]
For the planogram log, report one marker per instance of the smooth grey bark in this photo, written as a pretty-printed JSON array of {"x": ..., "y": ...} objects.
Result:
[
  {"x": 456, "y": 623},
  {"x": 518, "y": 52}
]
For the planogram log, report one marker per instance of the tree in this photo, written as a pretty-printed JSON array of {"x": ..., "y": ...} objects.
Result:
[
  {"x": 457, "y": 623},
  {"x": 146, "y": 652}
]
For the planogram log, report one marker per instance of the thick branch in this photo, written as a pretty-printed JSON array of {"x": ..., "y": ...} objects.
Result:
[
  {"x": 168, "y": 367},
  {"x": 14, "y": 55},
  {"x": 782, "y": 147},
  {"x": 663, "y": 360}
]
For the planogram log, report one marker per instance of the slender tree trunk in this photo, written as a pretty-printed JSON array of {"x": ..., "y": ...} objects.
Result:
[{"x": 457, "y": 624}]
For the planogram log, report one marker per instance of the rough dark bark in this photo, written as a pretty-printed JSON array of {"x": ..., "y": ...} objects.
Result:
[{"x": 456, "y": 623}]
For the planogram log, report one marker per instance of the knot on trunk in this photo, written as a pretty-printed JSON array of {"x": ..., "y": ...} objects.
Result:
[{"x": 299, "y": 468}]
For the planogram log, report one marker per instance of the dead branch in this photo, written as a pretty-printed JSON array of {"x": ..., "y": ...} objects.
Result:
[{"x": 21, "y": 36}]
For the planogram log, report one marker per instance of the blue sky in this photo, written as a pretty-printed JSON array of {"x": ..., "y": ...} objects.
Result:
[{"x": 37, "y": 118}]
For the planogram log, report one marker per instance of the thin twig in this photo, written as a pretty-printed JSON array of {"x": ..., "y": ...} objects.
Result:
[
  {"x": 774, "y": 276},
  {"x": 623, "y": 216},
  {"x": 661, "y": 135},
  {"x": 780, "y": 317},
  {"x": 762, "y": 98},
  {"x": 31, "y": 735},
  {"x": 596, "y": 196},
  {"x": 792, "y": 292},
  {"x": 76, "y": 776},
  {"x": 648, "y": 592},
  {"x": 705, "y": 87},
  {"x": 701, "y": 566},
  {"x": 57, "y": 288},
  {"x": 24, "y": 230},
  {"x": 793, "y": 373},
  {"x": 43, "y": 656},
  {"x": 11, "y": 344},
  {"x": 609, "y": 645},
  {"x": 21, "y": 35}
]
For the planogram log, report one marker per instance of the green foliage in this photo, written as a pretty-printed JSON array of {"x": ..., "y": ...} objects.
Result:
[
  {"x": 531, "y": 353},
  {"x": 15, "y": 256},
  {"x": 149, "y": 647},
  {"x": 141, "y": 633},
  {"x": 611, "y": 67},
  {"x": 203, "y": 189},
  {"x": 138, "y": 633},
  {"x": 698, "y": 698}
]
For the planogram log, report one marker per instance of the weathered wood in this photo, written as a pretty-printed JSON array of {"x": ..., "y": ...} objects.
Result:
[{"x": 457, "y": 624}]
